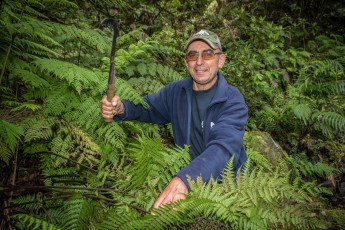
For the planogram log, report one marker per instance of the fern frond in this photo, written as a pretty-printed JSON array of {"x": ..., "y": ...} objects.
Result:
[
  {"x": 112, "y": 134},
  {"x": 39, "y": 128},
  {"x": 37, "y": 31},
  {"x": 5, "y": 152},
  {"x": 35, "y": 48},
  {"x": 334, "y": 120},
  {"x": 164, "y": 73},
  {"x": 308, "y": 168},
  {"x": 337, "y": 87},
  {"x": 93, "y": 38},
  {"x": 126, "y": 91},
  {"x": 72, "y": 142},
  {"x": 76, "y": 76},
  {"x": 150, "y": 130},
  {"x": 26, "y": 106},
  {"x": 31, "y": 202},
  {"x": 31, "y": 78},
  {"x": 326, "y": 67},
  {"x": 303, "y": 112},
  {"x": 259, "y": 159},
  {"x": 6, "y": 93},
  {"x": 319, "y": 77},
  {"x": 60, "y": 100},
  {"x": 34, "y": 223},
  {"x": 159, "y": 48},
  {"x": 128, "y": 220},
  {"x": 145, "y": 86},
  {"x": 167, "y": 216},
  {"x": 78, "y": 212},
  {"x": 85, "y": 113},
  {"x": 152, "y": 160},
  {"x": 85, "y": 142},
  {"x": 62, "y": 3},
  {"x": 10, "y": 134}
]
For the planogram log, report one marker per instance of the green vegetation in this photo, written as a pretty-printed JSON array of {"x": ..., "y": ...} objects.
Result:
[{"x": 63, "y": 167}]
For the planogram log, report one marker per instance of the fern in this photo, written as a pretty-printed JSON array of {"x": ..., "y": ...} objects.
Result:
[
  {"x": 149, "y": 130},
  {"x": 38, "y": 128},
  {"x": 10, "y": 135},
  {"x": 113, "y": 135},
  {"x": 78, "y": 212},
  {"x": 78, "y": 77},
  {"x": 308, "y": 168},
  {"x": 126, "y": 91},
  {"x": 30, "y": 78},
  {"x": 26, "y": 106},
  {"x": 127, "y": 220},
  {"x": 168, "y": 50},
  {"x": 153, "y": 161},
  {"x": 303, "y": 112},
  {"x": 334, "y": 120},
  {"x": 34, "y": 223},
  {"x": 163, "y": 73},
  {"x": 259, "y": 159}
]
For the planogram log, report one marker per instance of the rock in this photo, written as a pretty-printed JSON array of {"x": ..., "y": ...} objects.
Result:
[{"x": 264, "y": 143}]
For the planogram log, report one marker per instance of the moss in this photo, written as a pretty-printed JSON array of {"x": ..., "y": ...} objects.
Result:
[
  {"x": 337, "y": 218},
  {"x": 264, "y": 143}
]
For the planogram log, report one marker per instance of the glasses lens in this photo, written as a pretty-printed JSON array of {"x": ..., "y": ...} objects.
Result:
[
  {"x": 207, "y": 54},
  {"x": 192, "y": 56}
]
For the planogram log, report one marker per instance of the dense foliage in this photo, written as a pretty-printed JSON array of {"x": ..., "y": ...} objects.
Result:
[{"x": 63, "y": 167}]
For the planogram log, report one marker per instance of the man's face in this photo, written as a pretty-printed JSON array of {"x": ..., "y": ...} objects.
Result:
[{"x": 204, "y": 72}]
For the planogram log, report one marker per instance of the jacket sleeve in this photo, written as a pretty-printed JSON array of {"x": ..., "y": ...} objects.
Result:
[
  {"x": 156, "y": 113},
  {"x": 225, "y": 140}
]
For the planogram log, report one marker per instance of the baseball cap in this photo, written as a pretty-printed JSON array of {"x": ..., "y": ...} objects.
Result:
[{"x": 207, "y": 36}]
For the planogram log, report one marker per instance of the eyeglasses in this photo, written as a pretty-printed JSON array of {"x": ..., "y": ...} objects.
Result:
[{"x": 206, "y": 55}]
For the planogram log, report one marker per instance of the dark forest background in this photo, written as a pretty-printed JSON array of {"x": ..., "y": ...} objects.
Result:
[{"x": 63, "y": 167}]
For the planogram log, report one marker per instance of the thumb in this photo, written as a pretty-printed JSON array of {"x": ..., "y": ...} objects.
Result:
[{"x": 114, "y": 101}]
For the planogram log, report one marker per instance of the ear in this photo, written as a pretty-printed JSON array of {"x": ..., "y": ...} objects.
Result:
[{"x": 221, "y": 60}]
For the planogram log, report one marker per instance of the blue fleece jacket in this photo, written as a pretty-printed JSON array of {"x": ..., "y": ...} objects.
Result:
[{"x": 223, "y": 127}]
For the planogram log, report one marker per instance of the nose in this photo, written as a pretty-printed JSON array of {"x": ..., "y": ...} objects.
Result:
[{"x": 199, "y": 60}]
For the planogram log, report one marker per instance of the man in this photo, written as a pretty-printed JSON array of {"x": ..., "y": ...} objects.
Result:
[{"x": 205, "y": 112}]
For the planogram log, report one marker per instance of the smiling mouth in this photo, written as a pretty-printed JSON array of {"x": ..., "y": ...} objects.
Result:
[{"x": 200, "y": 71}]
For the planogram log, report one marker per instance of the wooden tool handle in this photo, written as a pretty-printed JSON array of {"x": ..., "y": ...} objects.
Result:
[{"x": 110, "y": 95}]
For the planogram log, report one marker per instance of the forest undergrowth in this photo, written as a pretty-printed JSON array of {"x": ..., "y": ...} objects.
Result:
[{"x": 63, "y": 167}]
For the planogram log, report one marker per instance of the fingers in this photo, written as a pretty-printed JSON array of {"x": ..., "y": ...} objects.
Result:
[
  {"x": 176, "y": 190},
  {"x": 110, "y": 109}
]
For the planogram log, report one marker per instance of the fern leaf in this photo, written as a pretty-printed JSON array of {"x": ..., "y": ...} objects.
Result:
[
  {"x": 78, "y": 212},
  {"x": 25, "y": 106},
  {"x": 126, "y": 91},
  {"x": 78, "y": 77},
  {"x": 112, "y": 134},
  {"x": 332, "y": 119},
  {"x": 30, "y": 78},
  {"x": 36, "y": 48},
  {"x": 10, "y": 134},
  {"x": 303, "y": 112},
  {"x": 34, "y": 222},
  {"x": 259, "y": 159},
  {"x": 150, "y": 161},
  {"x": 39, "y": 128}
]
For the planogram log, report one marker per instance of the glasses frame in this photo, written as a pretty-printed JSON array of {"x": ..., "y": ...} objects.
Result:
[{"x": 202, "y": 55}]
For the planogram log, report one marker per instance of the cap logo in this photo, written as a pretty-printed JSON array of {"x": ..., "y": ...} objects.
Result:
[{"x": 202, "y": 32}]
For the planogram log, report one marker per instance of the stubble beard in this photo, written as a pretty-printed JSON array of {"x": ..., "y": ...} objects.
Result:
[{"x": 211, "y": 77}]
